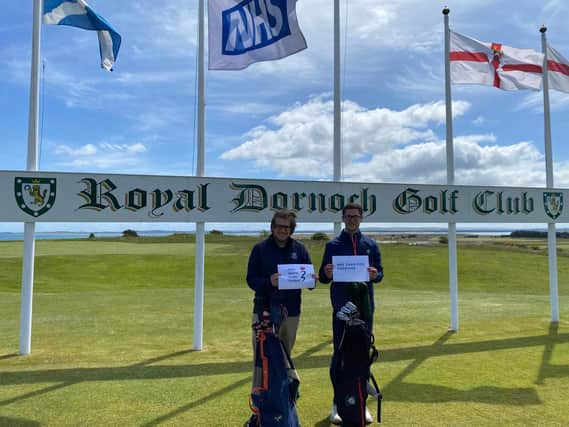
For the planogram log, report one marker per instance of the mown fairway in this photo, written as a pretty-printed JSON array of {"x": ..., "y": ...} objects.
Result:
[{"x": 113, "y": 328}]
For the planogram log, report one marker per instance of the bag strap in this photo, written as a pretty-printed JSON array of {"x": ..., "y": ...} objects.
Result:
[
  {"x": 285, "y": 352},
  {"x": 294, "y": 380},
  {"x": 261, "y": 338},
  {"x": 379, "y": 397},
  {"x": 374, "y": 354}
]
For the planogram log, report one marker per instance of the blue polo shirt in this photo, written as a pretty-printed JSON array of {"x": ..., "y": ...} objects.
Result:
[{"x": 346, "y": 244}]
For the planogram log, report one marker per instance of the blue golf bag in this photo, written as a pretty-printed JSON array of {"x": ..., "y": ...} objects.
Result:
[{"x": 273, "y": 401}]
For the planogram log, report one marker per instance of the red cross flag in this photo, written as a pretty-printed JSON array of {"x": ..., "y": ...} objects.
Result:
[
  {"x": 493, "y": 64},
  {"x": 557, "y": 70}
]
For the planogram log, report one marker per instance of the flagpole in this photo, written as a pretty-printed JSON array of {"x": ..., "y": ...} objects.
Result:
[
  {"x": 200, "y": 226},
  {"x": 32, "y": 165},
  {"x": 337, "y": 105},
  {"x": 551, "y": 232},
  {"x": 452, "y": 260}
]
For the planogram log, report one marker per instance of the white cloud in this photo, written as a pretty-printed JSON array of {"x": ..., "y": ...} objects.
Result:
[
  {"x": 101, "y": 156},
  {"x": 124, "y": 148},
  {"x": 159, "y": 117},
  {"x": 558, "y": 101},
  {"x": 18, "y": 70},
  {"x": 154, "y": 77},
  {"x": 478, "y": 161},
  {"x": 480, "y": 120},
  {"x": 84, "y": 151},
  {"x": 383, "y": 145},
  {"x": 418, "y": 77},
  {"x": 88, "y": 93},
  {"x": 299, "y": 139},
  {"x": 170, "y": 27},
  {"x": 249, "y": 108}
]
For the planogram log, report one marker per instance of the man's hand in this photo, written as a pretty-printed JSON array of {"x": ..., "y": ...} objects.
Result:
[
  {"x": 372, "y": 273},
  {"x": 329, "y": 270},
  {"x": 275, "y": 280}
]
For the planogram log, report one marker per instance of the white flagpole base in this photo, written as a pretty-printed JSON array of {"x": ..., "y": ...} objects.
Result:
[
  {"x": 553, "y": 290},
  {"x": 199, "y": 286},
  {"x": 27, "y": 289},
  {"x": 453, "y": 277}
]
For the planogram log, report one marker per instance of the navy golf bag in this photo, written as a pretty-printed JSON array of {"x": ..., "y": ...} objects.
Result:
[{"x": 352, "y": 385}]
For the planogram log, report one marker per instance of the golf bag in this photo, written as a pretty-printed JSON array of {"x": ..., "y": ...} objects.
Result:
[
  {"x": 356, "y": 352},
  {"x": 273, "y": 401}
]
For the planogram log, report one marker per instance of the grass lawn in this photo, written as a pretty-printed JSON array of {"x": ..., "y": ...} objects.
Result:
[{"x": 113, "y": 328}]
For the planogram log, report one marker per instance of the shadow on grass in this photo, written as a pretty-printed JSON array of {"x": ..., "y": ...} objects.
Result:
[
  {"x": 37, "y": 393},
  {"x": 324, "y": 422},
  {"x": 198, "y": 402},
  {"x": 401, "y": 391},
  {"x": 396, "y": 390},
  {"x": 8, "y": 356},
  {"x": 547, "y": 369},
  {"x": 230, "y": 388},
  {"x": 166, "y": 356},
  {"x": 17, "y": 422}
]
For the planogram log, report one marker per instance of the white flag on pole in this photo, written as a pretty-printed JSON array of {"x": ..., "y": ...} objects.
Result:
[
  {"x": 493, "y": 64},
  {"x": 557, "y": 70},
  {"x": 241, "y": 32},
  {"x": 77, "y": 13}
]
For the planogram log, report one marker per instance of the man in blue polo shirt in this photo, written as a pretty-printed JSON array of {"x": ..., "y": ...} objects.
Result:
[{"x": 350, "y": 241}]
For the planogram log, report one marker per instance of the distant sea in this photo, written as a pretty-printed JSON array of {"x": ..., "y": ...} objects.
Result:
[
  {"x": 73, "y": 235},
  {"x": 62, "y": 235}
]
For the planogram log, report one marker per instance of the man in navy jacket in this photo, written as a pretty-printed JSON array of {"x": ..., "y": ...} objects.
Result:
[
  {"x": 350, "y": 241},
  {"x": 263, "y": 277}
]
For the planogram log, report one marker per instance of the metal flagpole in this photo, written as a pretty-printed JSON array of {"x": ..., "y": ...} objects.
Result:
[
  {"x": 551, "y": 233},
  {"x": 452, "y": 261},
  {"x": 200, "y": 226},
  {"x": 337, "y": 105},
  {"x": 32, "y": 165}
]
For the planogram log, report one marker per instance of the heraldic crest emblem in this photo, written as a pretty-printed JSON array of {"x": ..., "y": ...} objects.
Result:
[
  {"x": 553, "y": 204},
  {"x": 35, "y": 196}
]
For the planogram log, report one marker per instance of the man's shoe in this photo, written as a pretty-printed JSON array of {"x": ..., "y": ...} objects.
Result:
[
  {"x": 369, "y": 418},
  {"x": 334, "y": 417}
]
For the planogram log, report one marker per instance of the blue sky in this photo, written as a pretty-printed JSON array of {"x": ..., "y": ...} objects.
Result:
[{"x": 274, "y": 119}]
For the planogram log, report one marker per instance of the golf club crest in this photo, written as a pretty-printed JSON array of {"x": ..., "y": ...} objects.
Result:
[
  {"x": 553, "y": 204},
  {"x": 35, "y": 196}
]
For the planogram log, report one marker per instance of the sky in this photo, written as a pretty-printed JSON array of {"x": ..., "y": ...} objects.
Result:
[{"x": 275, "y": 119}]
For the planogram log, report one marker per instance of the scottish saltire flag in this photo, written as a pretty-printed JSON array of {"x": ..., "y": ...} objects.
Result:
[
  {"x": 241, "y": 32},
  {"x": 77, "y": 13}
]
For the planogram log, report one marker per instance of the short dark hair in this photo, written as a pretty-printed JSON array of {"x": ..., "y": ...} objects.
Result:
[
  {"x": 285, "y": 214},
  {"x": 352, "y": 206}
]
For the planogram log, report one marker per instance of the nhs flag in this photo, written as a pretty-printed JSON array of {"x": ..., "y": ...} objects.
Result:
[
  {"x": 242, "y": 32},
  {"x": 77, "y": 13}
]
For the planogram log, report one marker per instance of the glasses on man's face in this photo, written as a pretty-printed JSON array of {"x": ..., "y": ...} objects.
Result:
[
  {"x": 282, "y": 227},
  {"x": 349, "y": 217}
]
